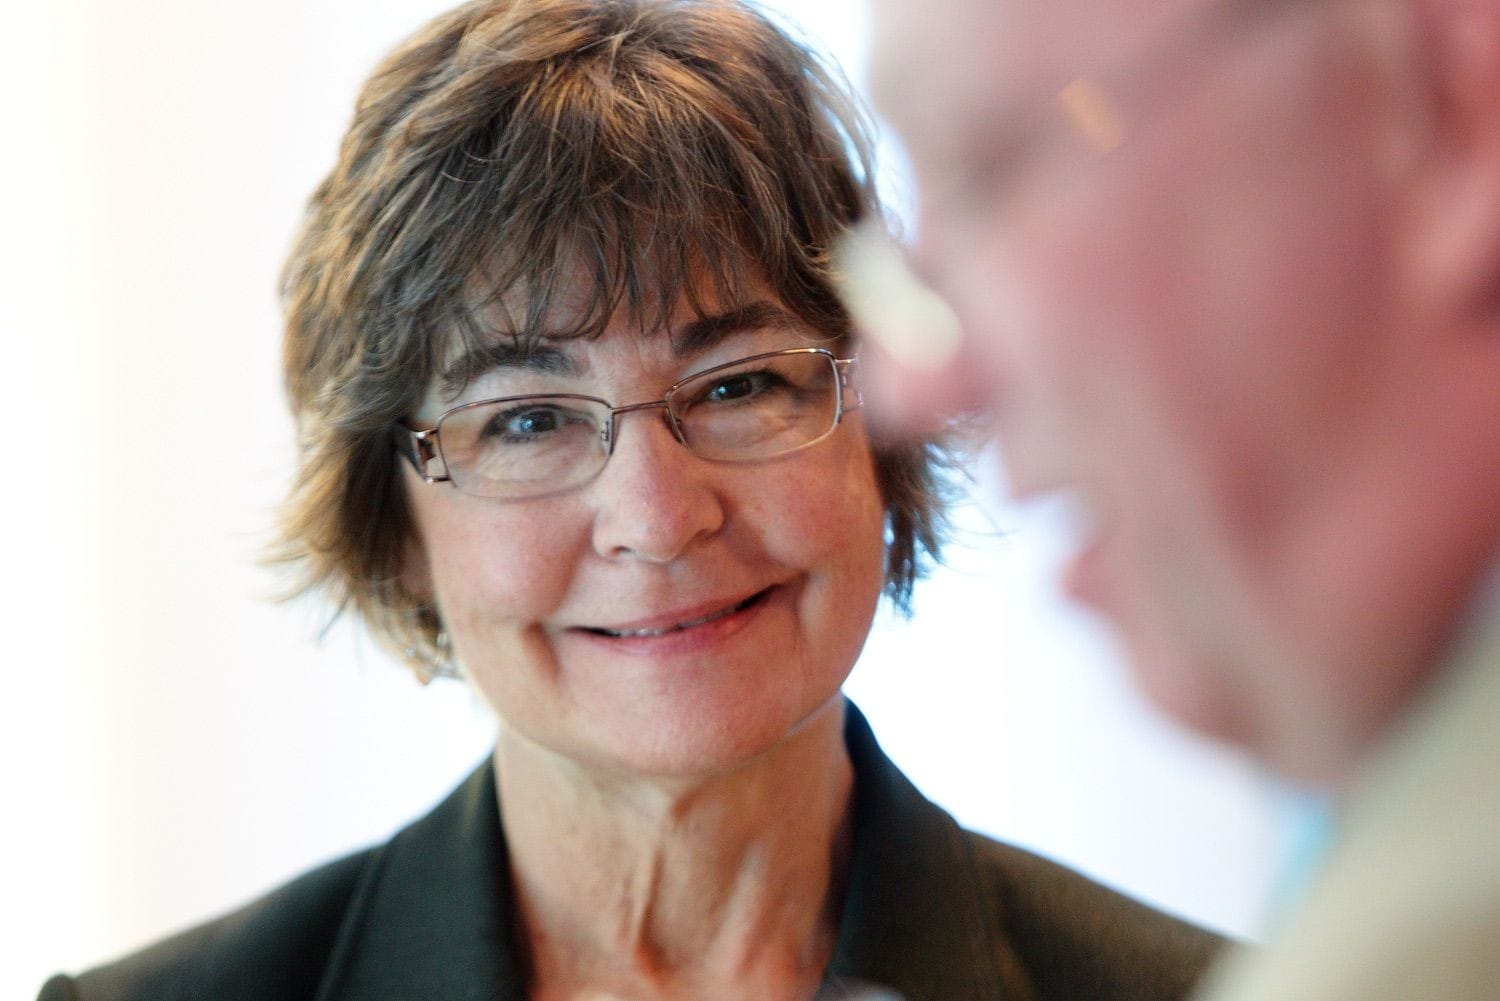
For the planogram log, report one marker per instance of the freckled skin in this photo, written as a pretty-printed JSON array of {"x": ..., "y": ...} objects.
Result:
[{"x": 661, "y": 531}]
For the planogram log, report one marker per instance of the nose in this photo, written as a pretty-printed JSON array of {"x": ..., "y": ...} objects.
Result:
[{"x": 654, "y": 499}]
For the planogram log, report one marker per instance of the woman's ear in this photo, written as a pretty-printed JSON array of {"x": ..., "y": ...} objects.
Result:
[
  {"x": 1456, "y": 225},
  {"x": 415, "y": 576}
]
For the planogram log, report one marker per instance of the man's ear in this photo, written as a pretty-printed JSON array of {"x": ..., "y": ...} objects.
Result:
[{"x": 1456, "y": 229}]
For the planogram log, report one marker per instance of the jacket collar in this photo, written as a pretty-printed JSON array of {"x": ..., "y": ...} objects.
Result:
[
  {"x": 914, "y": 920},
  {"x": 432, "y": 914}
]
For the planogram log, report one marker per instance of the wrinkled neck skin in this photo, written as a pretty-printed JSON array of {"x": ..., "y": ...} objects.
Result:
[{"x": 649, "y": 887}]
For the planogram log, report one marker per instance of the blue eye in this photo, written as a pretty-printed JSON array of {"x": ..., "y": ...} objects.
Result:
[
  {"x": 534, "y": 422},
  {"x": 531, "y": 422},
  {"x": 740, "y": 386}
]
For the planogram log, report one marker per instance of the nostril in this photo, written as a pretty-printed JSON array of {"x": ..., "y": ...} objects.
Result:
[{"x": 655, "y": 501}]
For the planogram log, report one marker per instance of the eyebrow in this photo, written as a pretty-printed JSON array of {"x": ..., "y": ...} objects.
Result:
[
  {"x": 699, "y": 335},
  {"x": 483, "y": 358},
  {"x": 709, "y": 331}
]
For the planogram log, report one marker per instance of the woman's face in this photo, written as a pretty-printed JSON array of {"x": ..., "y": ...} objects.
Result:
[{"x": 674, "y": 615}]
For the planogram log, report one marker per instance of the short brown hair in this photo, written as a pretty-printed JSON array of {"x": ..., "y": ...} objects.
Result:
[{"x": 659, "y": 147}]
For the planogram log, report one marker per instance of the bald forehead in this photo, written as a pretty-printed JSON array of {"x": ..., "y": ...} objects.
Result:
[
  {"x": 966, "y": 56},
  {"x": 916, "y": 48}
]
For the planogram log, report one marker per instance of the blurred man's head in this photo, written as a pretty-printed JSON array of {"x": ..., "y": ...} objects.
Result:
[{"x": 1230, "y": 270}]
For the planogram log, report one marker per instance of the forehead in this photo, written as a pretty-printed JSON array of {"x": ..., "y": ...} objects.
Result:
[
  {"x": 561, "y": 339},
  {"x": 655, "y": 299},
  {"x": 951, "y": 66}
]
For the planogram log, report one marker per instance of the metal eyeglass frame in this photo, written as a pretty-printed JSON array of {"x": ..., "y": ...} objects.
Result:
[{"x": 423, "y": 447}]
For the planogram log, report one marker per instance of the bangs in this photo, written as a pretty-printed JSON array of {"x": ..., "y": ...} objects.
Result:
[
  {"x": 620, "y": 176},
  {"x": 521, "y": 169}
]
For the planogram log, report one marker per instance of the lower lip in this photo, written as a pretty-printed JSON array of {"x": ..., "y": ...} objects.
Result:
[{"x": 695, "y": 639}]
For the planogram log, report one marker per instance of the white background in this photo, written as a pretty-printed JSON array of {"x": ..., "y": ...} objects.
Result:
[{"x": 172, "y": 742}]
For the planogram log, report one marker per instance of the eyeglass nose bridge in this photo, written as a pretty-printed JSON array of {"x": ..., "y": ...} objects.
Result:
[{"x": 608, "y": 435}]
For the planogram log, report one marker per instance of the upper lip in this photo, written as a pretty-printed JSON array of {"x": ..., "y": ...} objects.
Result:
[{"x": 688, "y": 615}]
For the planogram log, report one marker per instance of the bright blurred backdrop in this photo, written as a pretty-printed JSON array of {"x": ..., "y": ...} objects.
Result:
[{"x": 174, "y": 742}]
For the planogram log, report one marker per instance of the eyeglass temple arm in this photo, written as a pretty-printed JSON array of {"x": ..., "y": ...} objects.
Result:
[
  {"x": 420, "y": 449},
  {"x": 850, "y": 397}
]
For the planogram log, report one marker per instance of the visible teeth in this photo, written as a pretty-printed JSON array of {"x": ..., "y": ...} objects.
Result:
[
  {"x": 645, "y": 632},
  {"x": 623, "y": 633}
]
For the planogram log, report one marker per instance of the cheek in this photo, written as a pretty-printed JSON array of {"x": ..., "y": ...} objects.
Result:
[
  {"x": 854, "y": 527},
  {"x": 492, "y": 564},
  {"x": 828, "y": 518},
  {"x": 845, "y": 535},
  {"x": 1235, "y": 292}
]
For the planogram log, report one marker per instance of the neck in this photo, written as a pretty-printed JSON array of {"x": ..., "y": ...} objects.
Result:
[{"x": 725, "y": 885}]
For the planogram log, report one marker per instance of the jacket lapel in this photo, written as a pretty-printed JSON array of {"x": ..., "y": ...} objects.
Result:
[
  {"x": 431, "y": 916},
  {"x": 913, "y": 920}
]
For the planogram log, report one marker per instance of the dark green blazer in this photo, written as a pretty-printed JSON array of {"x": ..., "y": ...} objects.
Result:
[{"x": 933, "y": 912}]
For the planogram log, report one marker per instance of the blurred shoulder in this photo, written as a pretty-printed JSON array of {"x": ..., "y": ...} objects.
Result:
[
  {"x": 1079, "y": 938},
  {"x": 275, "y": 948},
  {"x": 937, "y": 912}
]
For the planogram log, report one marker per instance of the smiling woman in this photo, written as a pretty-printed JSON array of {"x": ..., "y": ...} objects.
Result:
[
  {"x": 579, "y": 421},
  {"x": 709, "y": 566}
]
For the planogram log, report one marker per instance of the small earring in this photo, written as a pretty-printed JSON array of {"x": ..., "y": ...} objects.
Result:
[{"x": 434, "y": 663}]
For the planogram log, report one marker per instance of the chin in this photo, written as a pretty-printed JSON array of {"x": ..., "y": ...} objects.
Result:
[
  {"x": 694, "y": 742},
  {"x": 1189, "y": 688}
]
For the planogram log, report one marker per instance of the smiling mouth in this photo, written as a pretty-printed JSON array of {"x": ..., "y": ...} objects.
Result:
[{"x": 679, "y": 626}]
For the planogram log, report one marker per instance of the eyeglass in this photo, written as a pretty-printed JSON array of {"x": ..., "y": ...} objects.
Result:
[
  {"x": 1097, "y": 111},
  {"x": 518, "y": 447},
  {"x": 1029, "y": 159}
]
